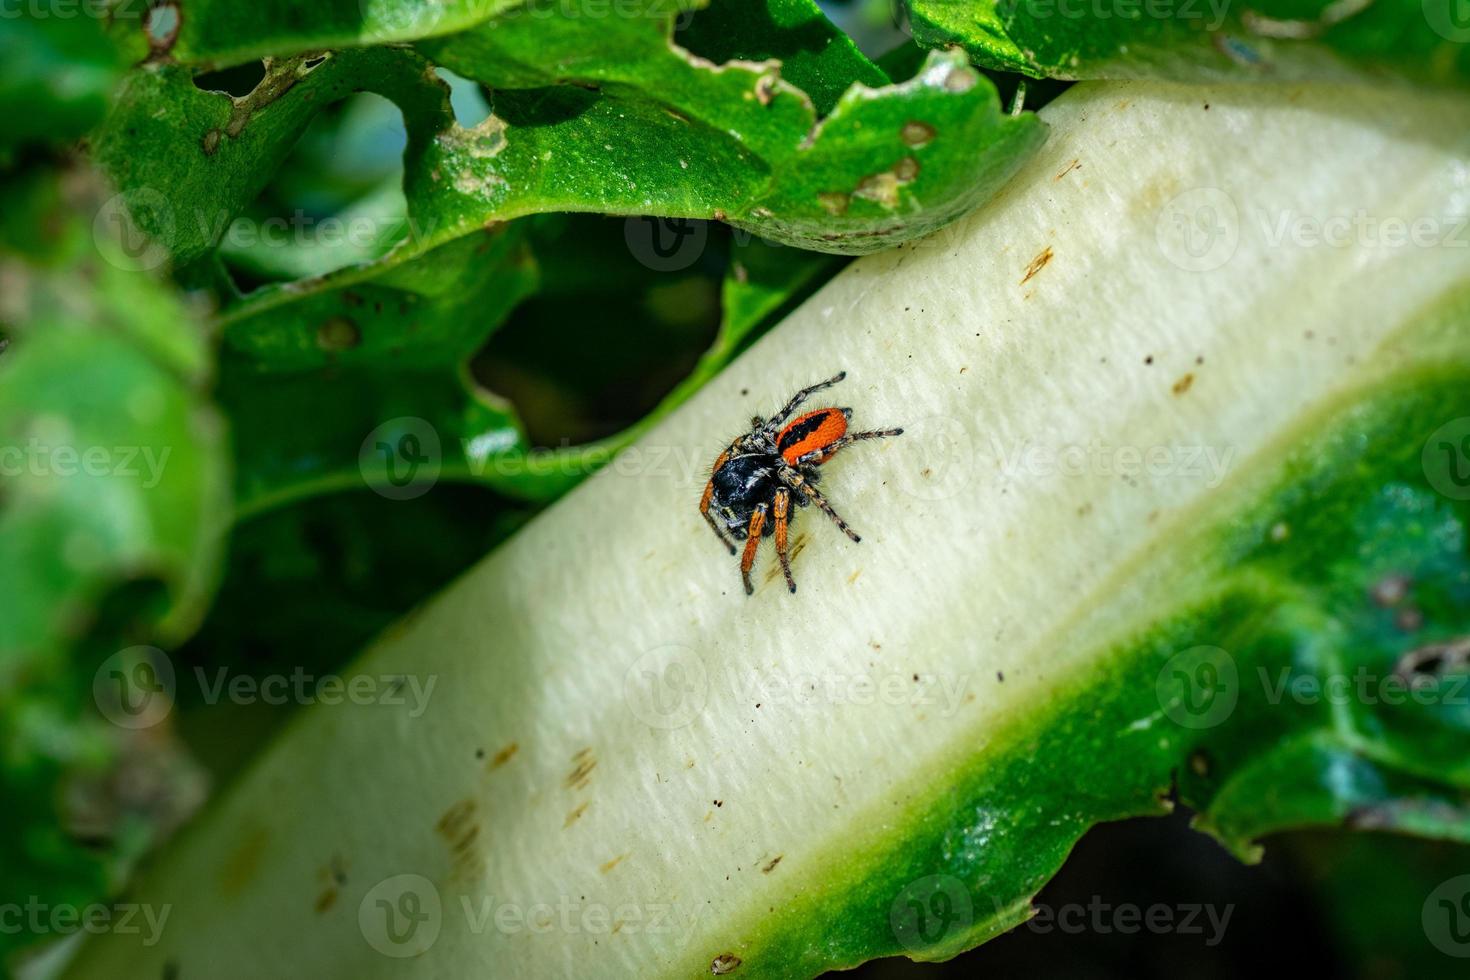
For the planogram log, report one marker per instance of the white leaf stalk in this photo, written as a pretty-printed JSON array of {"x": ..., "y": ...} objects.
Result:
[{"x": 626, "y": 768}]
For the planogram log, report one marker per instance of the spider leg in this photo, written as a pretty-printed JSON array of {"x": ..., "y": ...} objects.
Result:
[
  {"x": 783, "y": 507},
  {"x": 752, "y": 542},
  {"x": 796, "y": 481},
  {"x": 704, "y": 502},
  {"x": 775, "y": 420},
  {"x": 827, "y": 452}
]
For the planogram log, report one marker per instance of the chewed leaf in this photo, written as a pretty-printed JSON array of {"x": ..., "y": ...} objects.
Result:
[
  {"x": 219, "y": 33},
  {"x": 737, "y": 142},
  {"x": 646, "y": 129},
  {"x": 1201, "y": 40}
]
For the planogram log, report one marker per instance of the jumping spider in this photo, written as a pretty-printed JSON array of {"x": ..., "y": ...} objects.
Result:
[{"x": 763, "y": 471}]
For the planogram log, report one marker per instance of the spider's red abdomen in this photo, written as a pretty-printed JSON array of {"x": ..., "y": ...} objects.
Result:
[{"x": 811, "y": 432}]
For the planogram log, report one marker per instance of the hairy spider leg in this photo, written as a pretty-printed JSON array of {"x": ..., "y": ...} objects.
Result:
[
  {"x": 796, "y": 481},
  {"x": 752, "y": 542},
  {"x": 820, "y": 456},
  {"x": 704, "y": 501},
  {"x": 783, "y": 508},
  {"x": 775, "y": 420}
]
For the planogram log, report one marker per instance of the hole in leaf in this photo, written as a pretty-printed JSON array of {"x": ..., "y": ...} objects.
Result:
[
  {"x": 238, "y": 81},
  {"x": 161, "y": 24},
  {"x": 466, "y": 97},
  {"x": 336, "y": 200},
  {"x": 605, "y": 280}
]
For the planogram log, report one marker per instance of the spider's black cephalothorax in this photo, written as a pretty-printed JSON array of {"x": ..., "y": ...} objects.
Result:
[
  {"x": 764, "y": 471},
  {"x": 744, "y": 483}
]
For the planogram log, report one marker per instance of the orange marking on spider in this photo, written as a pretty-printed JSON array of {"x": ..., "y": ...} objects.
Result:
[
  {"x": 811, "y": 433},
  {"x": 773, "y": 467}
]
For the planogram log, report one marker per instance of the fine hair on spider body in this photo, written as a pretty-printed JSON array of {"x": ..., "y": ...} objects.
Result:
[{"x": 755, "y": 481}]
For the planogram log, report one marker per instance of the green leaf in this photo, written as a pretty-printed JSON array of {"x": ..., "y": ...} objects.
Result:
[
  {"x": 1106, "y": 535},
  {"x": 114, "y": 460},
  {"x": 218, "y": 33},
  {"x": 736, "y": 142},
  {"x": 814, "y": 55},
  {"x": 189, "y": 161},
  {"x": 56, "y": 74},
  {"x": 113, "y": 501},
  {"x": 1375, "y": 891},
  {"x": 1203, "y": 40}
]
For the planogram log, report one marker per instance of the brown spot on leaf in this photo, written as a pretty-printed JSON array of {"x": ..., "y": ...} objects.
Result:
[
  {"x": 1184, "y": 383},
  {"x": 239, "y": 867},
  {"x": 798, "y": 545},
  {"x": 504, "y": 756},
  {"x": 1037, "y": 264},
  {"x": 609, "y": 865},
  {"x": 334, "y": 872},
  {"x": 765, "y": 89},
  {"x": 772, "y": 865},
  {"x": 576, "y": 813},
  {"x": 1069, "y": 168},
  {"x": 916, "y": 134},
  {"x": 459, "y": 827},
  {"x": 834, "y": 203},
  {"x": 338, "y": 333},
  {"x": 326, "y": 900},
  {"x": 582, "y": 765},
  {"x": 724, "y": 963},
  {"x": 1390, "y": 590},
  {"x": 961, "y": 80},
  {"x": 882, "y": 188}
]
